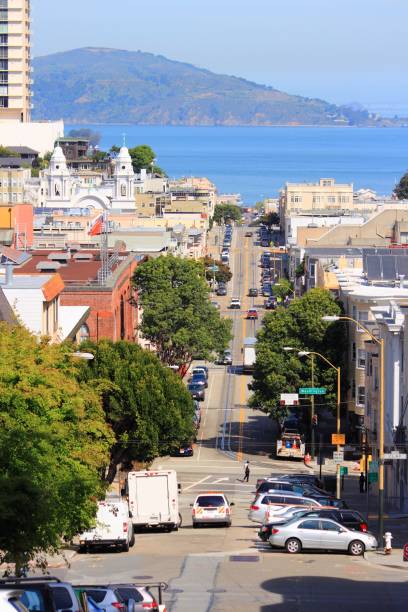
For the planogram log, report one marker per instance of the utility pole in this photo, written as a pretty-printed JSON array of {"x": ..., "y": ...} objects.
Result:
[{"x": 312, "y": 411}]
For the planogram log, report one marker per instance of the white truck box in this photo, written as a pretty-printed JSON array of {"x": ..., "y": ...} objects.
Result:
[
  {"x": 249, "y": 354},
  {"x": 113, "y": 527},
  {"x": 153, "y": 498}
]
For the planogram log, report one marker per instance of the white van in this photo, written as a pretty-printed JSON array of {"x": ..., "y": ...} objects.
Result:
[
  {"x": 113, "y": 527},
  {"x": 153, "y": 499}
]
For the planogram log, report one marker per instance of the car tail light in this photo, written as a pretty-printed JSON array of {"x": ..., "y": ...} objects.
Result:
[
  {"x": 363, "y": 527},
  {"x": 149, "y": 605},
  {"x": 125, "y": 527},
  {"x": 253, "y": 507},
  {"x": 274, "y": 530},
  {"x": 119, "y": 606}
]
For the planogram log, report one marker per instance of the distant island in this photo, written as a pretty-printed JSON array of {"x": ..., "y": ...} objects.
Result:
[{"x": 97, "y": 85}]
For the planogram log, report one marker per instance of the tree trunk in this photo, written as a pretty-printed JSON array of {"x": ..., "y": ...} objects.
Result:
[{"x": 116, "y": 458}]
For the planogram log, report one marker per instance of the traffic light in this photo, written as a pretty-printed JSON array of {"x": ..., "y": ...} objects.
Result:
[{"x": 314, "y": 420}]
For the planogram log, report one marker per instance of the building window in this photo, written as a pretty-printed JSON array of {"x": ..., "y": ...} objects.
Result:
[
  {"x": 83, "y": 333},
  {"x": 353, "y": 351},
  {"x": 361, "y": 396},
  {"x": 363, "y": 315},
  {"x": 316, "y": 199},
  {"x": 361, "y": 358}
]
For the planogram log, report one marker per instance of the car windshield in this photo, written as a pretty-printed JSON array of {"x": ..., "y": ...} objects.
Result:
[
  {"x": 206, "y": 501},
  {"x": 194, "y": 387}
]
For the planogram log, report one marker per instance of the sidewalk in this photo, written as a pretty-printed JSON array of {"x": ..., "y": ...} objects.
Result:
[{"x": 392, "y": 561}]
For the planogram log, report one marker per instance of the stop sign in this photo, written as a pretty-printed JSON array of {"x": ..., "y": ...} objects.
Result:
[{"x": 405, "y": 552}]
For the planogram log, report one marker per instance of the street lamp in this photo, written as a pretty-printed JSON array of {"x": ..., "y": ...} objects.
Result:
[{"x": 380, "y": 342}]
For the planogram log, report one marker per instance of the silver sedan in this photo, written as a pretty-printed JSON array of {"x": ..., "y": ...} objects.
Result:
[{"x": 325, "y": 534}]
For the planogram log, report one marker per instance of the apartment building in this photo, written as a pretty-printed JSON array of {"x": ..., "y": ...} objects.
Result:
[
  {"x": 15, "y": 60},
  {"x": 326, "y": 195}
]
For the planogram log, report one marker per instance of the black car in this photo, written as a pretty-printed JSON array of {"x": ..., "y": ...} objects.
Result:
[
  {"x": 183, "y": 451},
  {"x": 197, "y": 391},
  {"x": 349, "y": 518},
  {"x": 221, "y": 290},
  {"x": 253, "y": 292},
  {"x": 270, "y": 303}
]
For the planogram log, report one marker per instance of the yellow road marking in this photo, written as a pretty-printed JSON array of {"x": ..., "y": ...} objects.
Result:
[{"x": 243, "y": 378}]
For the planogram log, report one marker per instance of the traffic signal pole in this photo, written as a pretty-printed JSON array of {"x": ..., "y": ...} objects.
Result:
[{"x": 312, "y": 454}]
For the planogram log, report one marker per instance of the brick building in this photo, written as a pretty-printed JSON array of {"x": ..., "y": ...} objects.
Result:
[{"x": 113, "y": 308}]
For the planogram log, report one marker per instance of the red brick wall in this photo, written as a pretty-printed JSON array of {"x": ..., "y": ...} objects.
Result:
[{"x": 104, "y": 320}]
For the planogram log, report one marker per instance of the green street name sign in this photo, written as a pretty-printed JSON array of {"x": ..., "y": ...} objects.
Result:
[{"x": 312, "y": 390}]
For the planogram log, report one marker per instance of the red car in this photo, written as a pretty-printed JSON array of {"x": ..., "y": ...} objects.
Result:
[{"x": 252, "y": 313}]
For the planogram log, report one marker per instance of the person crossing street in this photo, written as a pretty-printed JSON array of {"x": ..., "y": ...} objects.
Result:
[{"x": 246, "y": 471}]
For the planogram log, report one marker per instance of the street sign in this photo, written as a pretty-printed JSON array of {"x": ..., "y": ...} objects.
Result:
[
  {"x": 343, "y": 470},
  {"x": 289, "y": 399},
  {"x": 338, "y": 456},
  {"x": 395, "y": 455},
  {"x": 312, "y": 390},
  {"x": 373, "y": 467},
  {"x": 338, "y": 438},
  {"x": 372, "y": 476}
]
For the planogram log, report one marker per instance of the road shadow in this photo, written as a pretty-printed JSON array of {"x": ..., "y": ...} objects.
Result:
[{"x": 311, "y": 593}]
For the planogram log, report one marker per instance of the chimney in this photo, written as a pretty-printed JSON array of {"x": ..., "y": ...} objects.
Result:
[{"x": 9, "y": 273}]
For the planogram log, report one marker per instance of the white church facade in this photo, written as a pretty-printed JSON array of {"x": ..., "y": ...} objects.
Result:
[{"x": 59, "y": 188}]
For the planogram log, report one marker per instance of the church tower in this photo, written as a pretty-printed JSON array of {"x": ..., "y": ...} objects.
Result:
[
  {"x": 58, "y": 179},
  {"x": 123, "y": 176}
]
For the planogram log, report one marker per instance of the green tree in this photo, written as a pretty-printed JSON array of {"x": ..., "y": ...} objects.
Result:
[
  {"x": 222, "y": 275},
  {"x": 401, "y": 190},
  {"x": 299, "y": 326},
  {"x": 178, "y": 317},
  {"x": 270, "y": 219},
  {"x": 146, "y": 404},
  {"x": 143, "y": 157},
  {"x": 5, "y": 152},
  {"x": 282, "y": 288},
  {"x": 227, "y": 212},
  {"x": 259, "y": 205},
  {"x": 54, "y": 445}
]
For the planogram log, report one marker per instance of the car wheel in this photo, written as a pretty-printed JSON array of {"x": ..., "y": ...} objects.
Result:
[
  {"x": 125, "y": 546},
  {"x": 180, "y": 521},
  {"x": 293, "y": 546},
  {"x": 195, "y": 525},
  {"x": 228, "y": 524},
  {"x": 132, "y": 539},
  {"x": 356, "y": 548}
]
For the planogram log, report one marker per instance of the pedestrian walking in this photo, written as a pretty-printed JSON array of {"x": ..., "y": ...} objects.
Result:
[
  {"x": 362, "y": 482},
  {"x": 247, "y": 471}
]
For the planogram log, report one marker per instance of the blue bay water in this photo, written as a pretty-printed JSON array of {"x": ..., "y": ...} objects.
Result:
[{"x": 256, "y": 162}]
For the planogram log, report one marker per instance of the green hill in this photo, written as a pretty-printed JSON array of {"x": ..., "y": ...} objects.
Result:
[{"x": 96, "y": 85}]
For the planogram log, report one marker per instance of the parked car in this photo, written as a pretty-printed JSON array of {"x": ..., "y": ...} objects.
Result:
[
  {"x": 200, "y": 369},
  {"x": 279, "y": 517},
  {"x": 103, "y": 597},
  {"x": 235, "y": 303},
  {"x": 300, "y": 477},
  {"x": 113, "y": 527},
  {"x": 221, "y": 290},
  {"x": 314, "y": 533},
  {"x": 197, "y": 391},
  {"x": 270, "y": 303},
  {"x": 348, "y": 518},
  {"x": 45, "y": 593},
  {"x": 216, "y": 305},
  {"x": 137, "y": 598},
  {"x": 253, "y": 292},
  {"x": 211, "y": 507},
  {"x": 252, "y": 314},
  {"x": 226, "y": 358},
  {"x": 184, "y": 451},
  {"x": 273, "y": 500},
  {"x": 199, "y": 378},
  {"x": 248, "y": 234}
]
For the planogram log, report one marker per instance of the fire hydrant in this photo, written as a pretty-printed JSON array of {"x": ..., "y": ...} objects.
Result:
[{"x": 388, "y": 547}]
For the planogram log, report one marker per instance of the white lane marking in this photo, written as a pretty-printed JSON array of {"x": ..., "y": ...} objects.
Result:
[
  {"x": 197, "y": 483},
  {"x": 220, "y": 480}
]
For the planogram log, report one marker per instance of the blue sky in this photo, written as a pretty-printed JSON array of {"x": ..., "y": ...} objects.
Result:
[{"x": 340, "y": 50}]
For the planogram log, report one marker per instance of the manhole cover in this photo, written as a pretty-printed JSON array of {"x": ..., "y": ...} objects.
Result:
[{"x": 244, "y": 558}]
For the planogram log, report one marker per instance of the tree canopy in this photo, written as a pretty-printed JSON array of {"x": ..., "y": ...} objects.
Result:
[
  {"x": 54, "y": 445},
  {"x": 401, "y": 190},
  {"x": 146, "y": 404},
  {"x": 299, "y": 326},
  {"x": 227, "y": 212},
  {"x": 270, "y": 219},
  {"x": 143, "y": 157},
  {"x": 178, "y": 317},
  {"x": 223, "y": 274},
  {"x": 282, "y": 288}
]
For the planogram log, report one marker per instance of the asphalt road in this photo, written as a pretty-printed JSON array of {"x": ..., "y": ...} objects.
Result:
[{"x": 220, "y": 569}]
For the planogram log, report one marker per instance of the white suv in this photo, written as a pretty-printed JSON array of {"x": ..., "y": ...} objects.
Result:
[
  {"x": 211, "y": 507},
  {"x": 268, "y": 503},
  {"x": 235, "y": 303}
]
